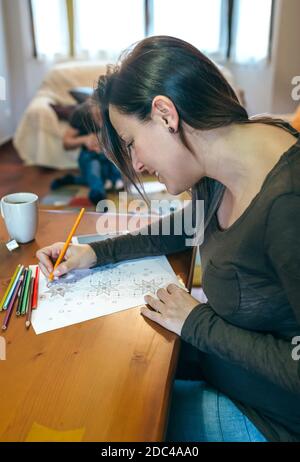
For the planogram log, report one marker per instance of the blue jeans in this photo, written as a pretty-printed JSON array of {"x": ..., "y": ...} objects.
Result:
[
  {"x": 200, "y": 413},
  {"x": 95, "y": 169}
]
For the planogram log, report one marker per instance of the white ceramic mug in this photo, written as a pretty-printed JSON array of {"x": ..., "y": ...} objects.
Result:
[{"x": 20, "y": 213}]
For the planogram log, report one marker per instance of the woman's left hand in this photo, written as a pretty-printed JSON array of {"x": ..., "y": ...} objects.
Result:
[{"x": 172, "y": 308}]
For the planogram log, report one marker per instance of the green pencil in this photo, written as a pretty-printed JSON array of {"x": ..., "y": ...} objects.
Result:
[
  {"x": 18, "y": 310},
  {"x": 25, "y": 295},
  {"x": 29, "y": 298},
  {"x": 9, "y": 287},
  {"x": 8, "y": 298}
]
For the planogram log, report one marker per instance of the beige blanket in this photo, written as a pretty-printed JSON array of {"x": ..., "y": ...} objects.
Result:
[{"x": 39, "y": 135}]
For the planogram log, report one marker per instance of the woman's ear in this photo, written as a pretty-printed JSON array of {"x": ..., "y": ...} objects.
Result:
[{"x": 165, "y": 112}]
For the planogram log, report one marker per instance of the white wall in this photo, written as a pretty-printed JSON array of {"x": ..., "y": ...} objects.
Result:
[
  {"x": 257, "y": 83},
  {"x": 287, "y": 57},
  {"x": 6, "y": 124},
  {"x": 26, "y": 73},
  {"x": 268, "y": 86}
]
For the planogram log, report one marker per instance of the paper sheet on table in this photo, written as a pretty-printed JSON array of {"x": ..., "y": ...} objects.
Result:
[
  {"x": 150, "y": 187},
  {"x": 86, "y": 294}
]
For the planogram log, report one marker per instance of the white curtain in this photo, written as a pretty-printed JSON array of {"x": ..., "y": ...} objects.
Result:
[
  {"x": 50, "y": 28},
  {"x": 252, "y": 21},
  {"x": 104, "y": 28},
  {"x": 199, "y": 22}
]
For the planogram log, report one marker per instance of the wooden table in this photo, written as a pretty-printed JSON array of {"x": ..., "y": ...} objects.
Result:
[{"x": 106, "y": 379}]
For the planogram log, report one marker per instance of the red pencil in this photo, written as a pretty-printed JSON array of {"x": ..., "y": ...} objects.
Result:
[{"x": 36, "y": 288}]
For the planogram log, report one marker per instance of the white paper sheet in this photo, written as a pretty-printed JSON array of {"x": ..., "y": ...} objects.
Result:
[
  {"x": 86, "y": 294},
  {"x": 150, "y": 187}
]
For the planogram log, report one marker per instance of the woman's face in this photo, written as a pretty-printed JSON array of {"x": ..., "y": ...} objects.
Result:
[{"x": 155, "y": 150}]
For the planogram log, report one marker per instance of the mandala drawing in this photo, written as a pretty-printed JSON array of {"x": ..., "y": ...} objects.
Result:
[{"x": 85, "y": 294}]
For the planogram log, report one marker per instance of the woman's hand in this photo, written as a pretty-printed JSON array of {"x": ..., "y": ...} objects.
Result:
[
  {"x": 172, "y": 308},
  {"x": 76, "y": 256}
]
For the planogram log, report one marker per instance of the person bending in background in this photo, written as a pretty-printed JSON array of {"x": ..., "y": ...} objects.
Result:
[{"x": 96, "y": 170}]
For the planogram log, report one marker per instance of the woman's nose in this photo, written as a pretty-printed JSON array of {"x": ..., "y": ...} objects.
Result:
[{"x": 137, "y": 165}]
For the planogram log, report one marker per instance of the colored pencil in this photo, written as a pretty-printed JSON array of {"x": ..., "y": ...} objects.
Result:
[
  {"x": 11, "y": 305},
  {"x": 36, "y": 288},
  {"x": 29, "y": 304},
  {"x": 25, "y": 295},
  {"x": 20, "y": 291},
  {"x": 18, "y": 310},
  {"x": 65, "y": 247},
  {"x": 9, "y": 287},
  {"x": 6, "y": 303},
  {"x": 31, "y": 288}
]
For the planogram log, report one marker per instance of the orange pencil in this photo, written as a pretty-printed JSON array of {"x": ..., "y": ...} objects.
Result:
[{"x": 65, "y": 247}]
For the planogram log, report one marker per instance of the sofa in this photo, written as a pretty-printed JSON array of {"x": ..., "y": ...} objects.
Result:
[{"x": 38, "y": 138}]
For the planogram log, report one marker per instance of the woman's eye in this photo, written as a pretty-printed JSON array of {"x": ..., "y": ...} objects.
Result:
[{"x": 129, "y": 146}]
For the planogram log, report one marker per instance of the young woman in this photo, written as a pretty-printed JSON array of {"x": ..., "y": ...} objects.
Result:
[{"x": 167, "y": 110}]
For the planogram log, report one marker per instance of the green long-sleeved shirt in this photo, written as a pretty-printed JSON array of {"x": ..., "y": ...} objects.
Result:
[{"x": 251, "y": 277}]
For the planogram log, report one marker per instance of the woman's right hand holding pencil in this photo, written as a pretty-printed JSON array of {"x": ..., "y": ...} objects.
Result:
[{"x": 77, "y": 256}]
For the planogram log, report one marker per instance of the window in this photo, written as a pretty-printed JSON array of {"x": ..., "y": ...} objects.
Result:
[
  {"x": 252, "y": 22},
  {"x": 103, "y": 28},
  {"x": 196, "y": 21},
  {"x": 50, "y": 28}
]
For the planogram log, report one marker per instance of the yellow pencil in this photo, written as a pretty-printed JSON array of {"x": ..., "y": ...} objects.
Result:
[
  {"x": 9, "y": 287},
  {"x": 65, "y": 247}
]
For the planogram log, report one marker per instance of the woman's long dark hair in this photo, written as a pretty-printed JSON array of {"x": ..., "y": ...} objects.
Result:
[{"x": 162, "y": 65}]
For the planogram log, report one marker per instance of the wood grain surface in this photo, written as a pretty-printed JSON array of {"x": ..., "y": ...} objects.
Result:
[{"x": 107, "y": 379}]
